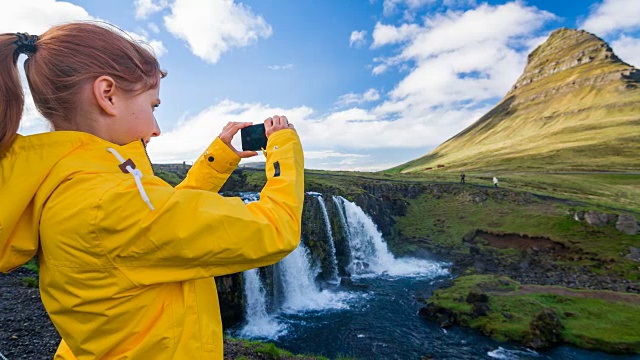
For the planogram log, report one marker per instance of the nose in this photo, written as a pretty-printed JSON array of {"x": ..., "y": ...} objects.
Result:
[{"x": 156, "y": 129}]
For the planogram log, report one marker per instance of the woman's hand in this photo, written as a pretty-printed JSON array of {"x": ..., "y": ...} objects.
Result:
[
  {"x": 227, "y": 134},
  {"x": 276, "y": 123}
]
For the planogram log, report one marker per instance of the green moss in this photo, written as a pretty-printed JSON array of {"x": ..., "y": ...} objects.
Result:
[{"x": 589, "y": 321}]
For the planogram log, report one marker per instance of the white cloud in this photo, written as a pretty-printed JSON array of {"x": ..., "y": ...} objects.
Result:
[
  {"x": 156, "y": 45},
  {"x": 37, "y": 16},
  {"x": 628, "y": 49},
  {"x": 327, "y": 154},
  {"x": 353, "y": 98},
  {"x": 613, "y": 15},
  {"x": 144, "y": 8},
  {"x": 344, "y": 134},
  {"x": 389, "y": 34},
  {"x": 357, "y": 38},
  {"x": 281, "y": 67},
  {"x": 32, "y": 121},
  {"x": 214, "y": 27},
  {"x": 461, "y": 59}
]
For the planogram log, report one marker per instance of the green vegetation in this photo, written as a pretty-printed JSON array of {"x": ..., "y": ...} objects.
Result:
[
  {"x": 266, "y": 350},
  {"x": 32, "y": 265},
  {"x": 446, "y": 220},
  {"x": 172, "y": 178},
  {"x": 29, "y": 282},
  {"x": 590, "y": 319}
]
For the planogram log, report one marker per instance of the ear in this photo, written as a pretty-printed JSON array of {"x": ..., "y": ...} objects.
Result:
[{"x": 104, "y": 89}]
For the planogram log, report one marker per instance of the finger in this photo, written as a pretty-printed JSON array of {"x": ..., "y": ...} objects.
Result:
[
  {"x": 291, "y": 126},
  {"x": 276, "y": 120},
  {"x": 284, "y": 119},
  {"x": 268, "y": 122},
  {"x": 246, "y": 154}
]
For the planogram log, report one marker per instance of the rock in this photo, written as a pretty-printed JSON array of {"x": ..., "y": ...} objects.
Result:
[
  {"x": 480, "y": 309},
  {"x": 579, "y": 216},
  {"x": 544, "y": 330},
  {"x": 634, "y": 254},
  {"x": 475, "y": 297},
  {"x": 444, "y": 317},
  {"x": 595, "y": 218},
  {"x": 479, "y": 304},
  {"x": 628, "y": 224}
]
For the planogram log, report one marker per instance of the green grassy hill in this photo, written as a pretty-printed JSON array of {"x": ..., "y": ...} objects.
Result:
[{"x": 575, "y": 108}]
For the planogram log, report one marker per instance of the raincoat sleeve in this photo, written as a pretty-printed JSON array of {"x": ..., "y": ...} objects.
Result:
[
  {"x": 196, "y": 234},
  {"x": 212, "y": 169}
]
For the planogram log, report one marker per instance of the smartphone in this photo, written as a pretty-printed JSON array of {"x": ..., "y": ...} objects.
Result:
[{"x": 253, "y": 138}]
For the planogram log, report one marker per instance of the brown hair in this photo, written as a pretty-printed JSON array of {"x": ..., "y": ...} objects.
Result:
[{"x": 66, "y": 58}]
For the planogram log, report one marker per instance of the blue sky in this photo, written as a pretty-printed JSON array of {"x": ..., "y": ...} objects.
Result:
[{"x": 369, "y": 84}]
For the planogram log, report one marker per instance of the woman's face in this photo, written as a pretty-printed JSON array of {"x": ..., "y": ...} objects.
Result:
[{"x": 136, "y": 120}]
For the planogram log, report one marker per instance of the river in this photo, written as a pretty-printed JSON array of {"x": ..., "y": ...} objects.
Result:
[{"x": 374, "y": 317}]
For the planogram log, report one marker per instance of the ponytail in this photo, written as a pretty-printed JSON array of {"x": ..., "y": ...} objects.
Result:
[{"x": 11, "y": 95}]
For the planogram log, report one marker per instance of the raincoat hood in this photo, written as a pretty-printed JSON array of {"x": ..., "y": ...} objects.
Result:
[{"x": 31, "y": 169}]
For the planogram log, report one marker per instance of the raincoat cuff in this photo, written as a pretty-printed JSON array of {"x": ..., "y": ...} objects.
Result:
[
  {"x": 284, "y": 144},
  {"x": 220, "y": 157}
]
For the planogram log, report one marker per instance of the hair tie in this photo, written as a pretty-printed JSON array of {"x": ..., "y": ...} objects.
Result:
[{"x": 26, "y": 44}]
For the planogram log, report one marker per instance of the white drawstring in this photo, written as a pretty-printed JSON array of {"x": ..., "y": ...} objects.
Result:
[{"x": 137, "y": 175}]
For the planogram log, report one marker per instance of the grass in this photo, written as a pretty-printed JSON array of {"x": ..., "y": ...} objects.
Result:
[
  {"x": 270, "y": 350},
  {"x": 29, "y": 282},
  {"x": 32, "y": 265},
  {"x": 588, "y": 322},
  {"x": 446, "y": 220}
]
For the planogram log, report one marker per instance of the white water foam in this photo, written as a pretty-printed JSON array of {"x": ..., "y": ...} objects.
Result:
[
  {"x": 259, "y": 323},
  {"x": 505, "y": 354},
  {"x": 301, "y": 292},
  {"x": 334, "y": 261}
]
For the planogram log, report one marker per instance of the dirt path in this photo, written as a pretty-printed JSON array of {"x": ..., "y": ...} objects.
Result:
[{"x": 557, "y": 290}]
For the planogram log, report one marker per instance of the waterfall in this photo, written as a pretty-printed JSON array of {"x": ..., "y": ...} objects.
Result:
[
  {"x": 334, "y": 261},
  {"x": 259, "y": 322},
  {"x": 369, "y": 253},
  {"x": 295, "y": 276},
  {"x": 301, "y": 291}
]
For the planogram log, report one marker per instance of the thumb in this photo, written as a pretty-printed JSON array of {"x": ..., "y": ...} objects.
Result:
[{"x": 247, "y": 154}]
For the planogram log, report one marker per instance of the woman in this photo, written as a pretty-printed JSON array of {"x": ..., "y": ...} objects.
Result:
[{"x": 126, "y": 261}]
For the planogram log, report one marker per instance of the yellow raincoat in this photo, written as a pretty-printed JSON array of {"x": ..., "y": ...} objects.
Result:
[{"x": 120, "y": 280}]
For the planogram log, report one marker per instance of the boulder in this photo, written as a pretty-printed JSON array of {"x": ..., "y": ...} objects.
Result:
[
  {"x": 634, "y": 254},
  {"x": 628, "y": 224},
  {"x": 443, "y": 316},
  {"x": 595, "y": 218},
  {"x": 545, "y": 330}
]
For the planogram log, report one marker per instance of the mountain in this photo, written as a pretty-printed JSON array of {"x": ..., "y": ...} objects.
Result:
[{"x": 576, "y": 107}]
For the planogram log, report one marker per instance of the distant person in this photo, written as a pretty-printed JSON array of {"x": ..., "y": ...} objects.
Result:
[
  {"x": 462, "y": 178},
  {"x": 495, "y": 181},
  {"x": 126, "y": 260}
]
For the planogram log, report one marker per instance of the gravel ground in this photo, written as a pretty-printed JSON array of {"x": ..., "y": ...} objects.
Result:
[{"x": 26, "y": 332}]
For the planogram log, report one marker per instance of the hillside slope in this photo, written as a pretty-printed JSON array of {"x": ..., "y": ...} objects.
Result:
[{"x": 576, "y": 107}]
